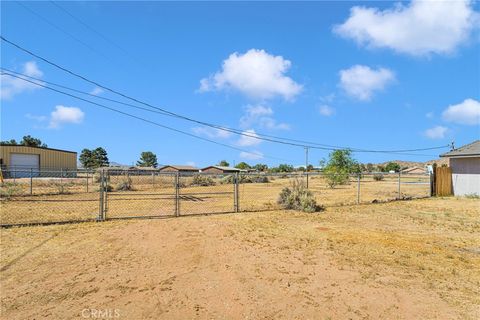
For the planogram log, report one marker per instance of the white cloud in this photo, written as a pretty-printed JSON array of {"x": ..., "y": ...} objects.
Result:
[
  {"x": 256, "y": 73},
  {"x": 437, "y": 132},
  {"x": 362, "y": 81},
  {"x": 420, "y": 28},
  {"x": 261, "y": 116},
  {"x": 212, "y": 132},
  {"x": 191, "y": 163},
  {"x": 97, "y": 91},
  {"x": 11, "y": 86},
  {"x": 62, "y": 115},
  {"x": 254, "y": 155},
  {"x": 326, "y": 110},
  {"x": 35, "y": 117},
  {"x": 249, "y": 139},
  {"x": 467, "y": 112},
  {"x": 430, "y": 115}
]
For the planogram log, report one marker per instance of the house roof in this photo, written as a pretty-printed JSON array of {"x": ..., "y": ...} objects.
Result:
[
  {"x": 468, "y": 150},
  {"x": 181, "y": 167},
  {"x": 412, "y": 169},
  {"x": 225, "y": 168}
]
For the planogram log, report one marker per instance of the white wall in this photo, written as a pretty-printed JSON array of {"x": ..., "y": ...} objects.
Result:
[{"x": 465, "y": 175}]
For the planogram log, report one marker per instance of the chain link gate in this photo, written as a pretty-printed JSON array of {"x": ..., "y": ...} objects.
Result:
[
  {"x": 207, "y": 193},
  {"x": 136, "y": 194}
]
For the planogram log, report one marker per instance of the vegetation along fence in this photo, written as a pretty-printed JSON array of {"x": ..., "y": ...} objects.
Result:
[{"x": 48, "y": 196}]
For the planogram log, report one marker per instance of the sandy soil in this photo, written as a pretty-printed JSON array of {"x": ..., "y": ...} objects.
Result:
[{"x": 415, "y": 259}]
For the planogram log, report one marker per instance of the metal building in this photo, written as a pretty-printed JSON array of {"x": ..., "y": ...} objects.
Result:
[{"x": 36, "y": 159}]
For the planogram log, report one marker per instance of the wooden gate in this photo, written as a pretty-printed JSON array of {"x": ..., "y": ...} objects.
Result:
[{"x": 443, "y": 181}]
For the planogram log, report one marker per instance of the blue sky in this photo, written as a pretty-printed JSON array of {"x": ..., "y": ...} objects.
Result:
[{"x": 371, "y": 75}]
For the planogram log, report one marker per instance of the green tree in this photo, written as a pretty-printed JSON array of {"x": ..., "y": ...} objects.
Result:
[
  {"x": 310, "y": 168},
  {"x": 147, "y": 159},
  {"x": 370, "y": 167},
  {"x": 95, "y": 158},
  {"x": 392, "y": 166},
  {"x": 260, "y": 167},
  {"x": 283, "y": 168},
  {"x": 30, "y": 141},
  {"x": 27, "y": 141},
  {"x": 243, "y": 165},
  {"x": 224, "y": 163},
  {"x": 339, "y": 166},
  {"x": 11, "y": 142}
]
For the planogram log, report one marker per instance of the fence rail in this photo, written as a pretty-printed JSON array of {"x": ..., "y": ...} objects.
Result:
[{"x": 50, "y": 196}]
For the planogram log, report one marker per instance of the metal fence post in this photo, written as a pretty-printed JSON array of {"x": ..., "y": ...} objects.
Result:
[
  {"x": 14, "y": 175},
  {"x": 177, "y": 194},
  {"x": 31, "y": 181},
  {"x": 358, "y": 189},
  {"x": 235, "y": 192},
  {"x": 399, "y": 191},
  {"x": 307, "y": 177},
  {"x": 101, "y": 190},
  {"x": 87, "y": 181}
]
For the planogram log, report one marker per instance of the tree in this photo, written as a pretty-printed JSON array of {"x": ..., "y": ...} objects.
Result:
[
  {"x": 370, "y": 167},
  {"x": 11, "y": 142},
  {"x": 392, "y": 166},
  {"x": 27, "y": 141},
  {"x": 310, "y": 167},
  {"x": 95, "y": 158},
  {"x": 339, "y": 166},
  {"x": 283, "y": 168},
  {"x": 243, "y": 165},
  {"x": 147, "y": 159},
  {"x": 224, "y": 163},
  {"x": 30, "y": 141},
  {"x": 260, "y": 167}
]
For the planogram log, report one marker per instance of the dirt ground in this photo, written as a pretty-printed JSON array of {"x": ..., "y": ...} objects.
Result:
[{"x": 416, "y": 259}]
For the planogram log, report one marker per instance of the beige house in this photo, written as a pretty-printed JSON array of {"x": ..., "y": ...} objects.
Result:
[
  {"x": 414, "y": 170},
  {"x": 179, "y": 168},
  {"x": 465, "y": 165},
  {"x": 221, "y": 169}
]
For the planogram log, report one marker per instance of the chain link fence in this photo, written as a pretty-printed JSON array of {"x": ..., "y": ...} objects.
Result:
[{"x": 47, "y": 196}]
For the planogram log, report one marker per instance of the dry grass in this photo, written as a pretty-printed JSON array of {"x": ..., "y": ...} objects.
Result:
[
  {"x": 155, "y": 196},
  {"x": 400, "y": 260}
]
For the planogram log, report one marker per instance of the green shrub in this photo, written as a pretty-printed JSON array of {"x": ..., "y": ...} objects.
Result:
[
  {"x": 378, "y": 177},
  {"x": 298, "y": 197},
  {"x": 336, "y": 176},
  {"x": 125, "y": 184},
  {"x": 10, "y": 189},
  {"x": 245, "y": 179},
  {"x": 62, "y": 187},
  {"x": 202, "y": 180},
  {"x": 472, "y": 196}
]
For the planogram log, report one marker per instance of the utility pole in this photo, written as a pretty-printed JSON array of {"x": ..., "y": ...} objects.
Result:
[
  {"x": 452, "y": 146},
  {"x": 306, "y": 163}
]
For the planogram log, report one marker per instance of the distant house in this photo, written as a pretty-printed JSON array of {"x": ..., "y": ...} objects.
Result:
[
  {"x": 465, "y": 165},
  {"x": 221, "y": 169},
  {"x": 179, "y": 168},
  {"x": 414, "y": 170}
]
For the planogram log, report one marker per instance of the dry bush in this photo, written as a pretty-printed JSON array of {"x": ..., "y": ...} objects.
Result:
[
  {"x": 203, "y": 181},
  {"x": 378, "y": 177},
  {"x": 298, "y": 197},
  {"x": 125, "y": 184}
]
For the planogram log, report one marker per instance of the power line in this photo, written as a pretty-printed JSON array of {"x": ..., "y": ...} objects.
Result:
[
  {"x": 258, "y": 136},
  {"x": 61, "y": 30},
  {"x": 143, "y": 119},
  {"x": 98, "y": 33},
  {"x": 140, "y": 118}
]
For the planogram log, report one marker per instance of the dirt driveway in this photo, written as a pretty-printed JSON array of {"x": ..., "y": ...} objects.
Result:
[{"x": 404, "y": 260}]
